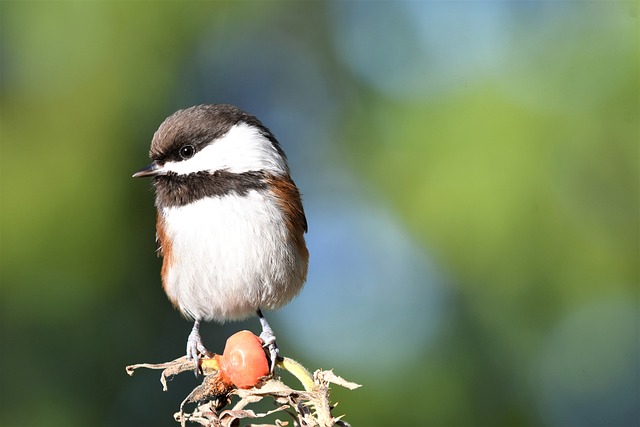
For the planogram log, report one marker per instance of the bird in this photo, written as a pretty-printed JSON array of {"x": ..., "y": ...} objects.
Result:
[{"x": 230, "y": 221}]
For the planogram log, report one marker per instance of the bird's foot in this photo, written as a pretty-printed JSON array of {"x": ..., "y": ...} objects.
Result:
[
  {"x": 195, "y": 348},
  {"x": 269, "y": 341}
]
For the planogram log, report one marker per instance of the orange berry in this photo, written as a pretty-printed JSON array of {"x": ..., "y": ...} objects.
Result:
[{"x": 244, "y": 361}]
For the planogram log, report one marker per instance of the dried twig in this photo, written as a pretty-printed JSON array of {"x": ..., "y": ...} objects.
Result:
[{"x": 309, "y": 407}]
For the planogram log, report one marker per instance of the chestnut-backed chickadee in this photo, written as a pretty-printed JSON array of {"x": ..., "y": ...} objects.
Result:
[{"x": 230, "y": 224}]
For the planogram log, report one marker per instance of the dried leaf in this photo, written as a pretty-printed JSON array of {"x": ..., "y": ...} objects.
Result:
[
  {"x": 309, "y": 407},
  {"x": 329, "y": 377}
]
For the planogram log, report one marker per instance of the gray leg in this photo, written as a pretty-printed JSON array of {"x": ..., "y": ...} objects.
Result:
[
  {"x": 195, "y": 348},
  {"x": 268, "y": 340}
]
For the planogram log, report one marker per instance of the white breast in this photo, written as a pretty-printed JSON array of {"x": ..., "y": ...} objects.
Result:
[{"x": 230, "y": 256}]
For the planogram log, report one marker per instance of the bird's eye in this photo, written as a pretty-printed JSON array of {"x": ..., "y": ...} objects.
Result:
[{"x": 187, "y": 151}]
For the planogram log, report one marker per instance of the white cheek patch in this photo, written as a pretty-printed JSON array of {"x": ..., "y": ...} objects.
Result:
[{"x": 242, "y": 149}]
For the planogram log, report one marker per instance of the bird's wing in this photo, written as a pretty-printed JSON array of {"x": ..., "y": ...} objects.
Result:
[
  {"x": 158, "y": 245},
  {"x": 160, "y": 235}
]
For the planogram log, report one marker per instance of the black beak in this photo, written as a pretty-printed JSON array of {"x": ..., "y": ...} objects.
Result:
[{"x": 152, "y": 169}]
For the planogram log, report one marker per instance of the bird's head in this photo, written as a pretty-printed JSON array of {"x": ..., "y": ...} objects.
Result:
[{"x": 210, "y": 138}]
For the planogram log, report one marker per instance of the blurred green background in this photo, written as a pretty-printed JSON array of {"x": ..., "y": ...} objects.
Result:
[{"x": 470, "y": 174}]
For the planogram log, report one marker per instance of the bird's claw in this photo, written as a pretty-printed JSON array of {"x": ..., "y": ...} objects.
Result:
[
  {"x": 269, "y": 342},
  {"x": 195, "y": 348}
]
